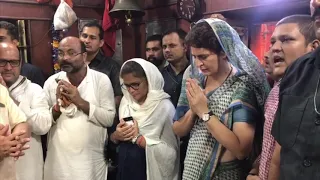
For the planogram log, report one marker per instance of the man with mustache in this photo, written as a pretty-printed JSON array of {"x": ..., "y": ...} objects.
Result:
[
  {"x": 296, "y": 126},
  {"x": 154, "y": 53},
  {"x": 9, "y": 34},
  {"x": 82, "y": 105},
  {"x": 292, "y": 38},
  {"x": 31, "y": 99},
  {"x": 268, "y": 67},
  {"x": 175, "y": 53}
]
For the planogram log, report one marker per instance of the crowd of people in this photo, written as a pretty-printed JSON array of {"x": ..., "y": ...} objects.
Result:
[{"x": 200, "y": 106}]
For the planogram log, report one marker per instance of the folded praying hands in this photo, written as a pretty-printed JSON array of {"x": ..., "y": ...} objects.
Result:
[{"x": 12, "y": 144}]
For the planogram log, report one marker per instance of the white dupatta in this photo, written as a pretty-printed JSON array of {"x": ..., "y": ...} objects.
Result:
[{"x": 154, "y": 119}]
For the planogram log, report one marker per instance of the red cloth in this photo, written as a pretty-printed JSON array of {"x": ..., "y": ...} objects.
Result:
[
  {"x": 43, "y": 1},
  {"x": 108, "y": 25},
  {"x": 268, "y": 144},
  {"x": 57, "y": 2}
]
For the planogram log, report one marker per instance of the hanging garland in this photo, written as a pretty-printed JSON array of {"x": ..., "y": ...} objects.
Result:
[{"x": 56, "y": 38}]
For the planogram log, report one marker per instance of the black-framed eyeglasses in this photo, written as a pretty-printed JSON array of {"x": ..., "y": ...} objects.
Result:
[
  {"x": 134, "y": 86},
  {"x": 13, "y": 63},
  {"x": 68, "y": 53}
]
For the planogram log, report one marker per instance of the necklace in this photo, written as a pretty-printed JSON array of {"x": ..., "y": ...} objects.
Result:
[
  {"x": 205, "y": 83},
  {"x": 314, "y": 98},
  {"x": 228, "y": 74}
]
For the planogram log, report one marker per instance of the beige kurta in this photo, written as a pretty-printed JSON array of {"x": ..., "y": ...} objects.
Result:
[
  {"x": 12, "y": 115},
  {"x": 75, "y": 143}
]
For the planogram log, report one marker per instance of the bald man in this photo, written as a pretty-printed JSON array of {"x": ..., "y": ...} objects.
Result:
[
  {"x": 31, "y": 99},
  {"x": 14, "y": 131},
  {"x": 82, "y": 105},
  {"x": 9, "y": 33}
]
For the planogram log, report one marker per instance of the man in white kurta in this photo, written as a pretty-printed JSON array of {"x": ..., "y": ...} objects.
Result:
[
  {"x": 76, "y": 139},
  {"x": 10, "y": 114},
  {"x": 31, "y": 100}
]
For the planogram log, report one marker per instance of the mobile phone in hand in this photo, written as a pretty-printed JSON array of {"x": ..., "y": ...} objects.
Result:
[{"x": 128, "y": 120}]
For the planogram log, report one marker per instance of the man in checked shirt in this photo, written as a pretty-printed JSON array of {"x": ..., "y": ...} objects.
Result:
[{"x": 293, "y": 37}]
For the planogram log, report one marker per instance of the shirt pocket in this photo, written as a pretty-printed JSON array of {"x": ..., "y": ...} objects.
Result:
[{"x": 292, "y": 111}]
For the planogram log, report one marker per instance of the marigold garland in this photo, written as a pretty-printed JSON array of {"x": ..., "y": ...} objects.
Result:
[{"x": 56, "y": 37}]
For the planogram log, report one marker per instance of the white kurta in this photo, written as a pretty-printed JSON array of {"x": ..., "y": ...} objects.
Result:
[
  {"x": 75, "y": 145},
  {"x": 34, "y": 105}
]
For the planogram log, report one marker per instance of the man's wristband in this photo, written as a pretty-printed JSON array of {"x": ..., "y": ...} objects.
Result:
[
  {"x": 134, "y": 140},
  {"x": 139, "y": 140}
]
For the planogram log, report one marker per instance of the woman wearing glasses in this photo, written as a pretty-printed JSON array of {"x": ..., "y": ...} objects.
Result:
[{"x": 148, "y": 148}]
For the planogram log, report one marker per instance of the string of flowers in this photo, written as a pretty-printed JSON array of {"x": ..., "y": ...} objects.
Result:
[{"x": 56, "y": 37}]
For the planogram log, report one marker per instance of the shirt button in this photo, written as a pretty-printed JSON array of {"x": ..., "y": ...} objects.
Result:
[{"x": 307, "y": 163}]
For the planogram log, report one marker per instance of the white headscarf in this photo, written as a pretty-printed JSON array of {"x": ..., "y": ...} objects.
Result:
[{"x": 142, "y": 113}]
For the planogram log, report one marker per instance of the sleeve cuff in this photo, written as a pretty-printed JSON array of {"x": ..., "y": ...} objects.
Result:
[
  {"x": 150, "y": 142},
  {"x": 53, "y": 121}
]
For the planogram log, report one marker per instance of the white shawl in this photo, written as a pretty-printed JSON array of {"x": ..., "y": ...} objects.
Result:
[
  {"x": 154, "y": 119},
  {"x": 17, "y": 89},
  {"x": 32, "y": 101}
]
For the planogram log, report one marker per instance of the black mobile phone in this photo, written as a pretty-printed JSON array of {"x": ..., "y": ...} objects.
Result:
[{"x": 128, "y": 120}]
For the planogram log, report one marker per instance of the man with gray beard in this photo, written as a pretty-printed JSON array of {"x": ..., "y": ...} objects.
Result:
[{"x": 82, "y": 105}]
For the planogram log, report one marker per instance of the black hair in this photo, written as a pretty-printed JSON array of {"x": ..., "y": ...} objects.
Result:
[
  {"x": 11, "y": 29},
  {"x": 202, "y": 36},
  {"x": 182, "y": 34},
  {"x": 305, "y": 23},
  {"x": 134, "y": 68},
  {"x": 156, "y": 37},
  {"x": 94, "y": 23}
]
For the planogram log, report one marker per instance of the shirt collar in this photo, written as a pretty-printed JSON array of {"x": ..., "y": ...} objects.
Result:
[
  {"x": 18, "y": 83},
  {"x": 99, "y": 57},
  {"x": 169, "y": 68},
  {"x": 316, "y": 56}
]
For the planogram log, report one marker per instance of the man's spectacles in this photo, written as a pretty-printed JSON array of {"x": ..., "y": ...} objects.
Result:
[
  {"x": 134, "y": 86},
  {"x": 13, "y": 63},
  {"x": 70, "y": 54}
]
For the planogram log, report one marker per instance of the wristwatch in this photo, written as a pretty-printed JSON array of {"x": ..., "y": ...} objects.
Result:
[
  {"x": 206, "y": 116},
  {"x": 134, "y": 140}
]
